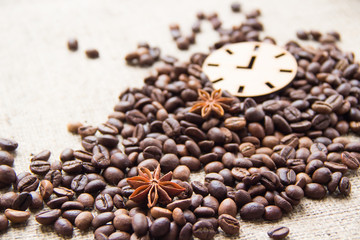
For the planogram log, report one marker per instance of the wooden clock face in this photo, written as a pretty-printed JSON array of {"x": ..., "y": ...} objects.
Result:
[{"x": 250, "y": 69}]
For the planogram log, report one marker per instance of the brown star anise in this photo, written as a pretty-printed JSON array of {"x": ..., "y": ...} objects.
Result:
[
  {"x": 211, "y": 104},
  {"x": 153, "y": 188}
]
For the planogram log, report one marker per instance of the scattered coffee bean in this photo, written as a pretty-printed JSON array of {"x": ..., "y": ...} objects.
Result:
[
  {"x": 92, "y": 53},
  {"x": 278, "y": 232}
]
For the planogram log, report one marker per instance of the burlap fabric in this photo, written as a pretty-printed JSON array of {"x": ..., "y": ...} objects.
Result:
[{"x": 44, "y": 86}]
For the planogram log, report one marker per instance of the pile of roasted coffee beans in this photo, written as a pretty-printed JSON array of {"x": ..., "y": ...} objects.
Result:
[
  {"x": 260, "y": 158},
  {"x": 143, "y": 56}
]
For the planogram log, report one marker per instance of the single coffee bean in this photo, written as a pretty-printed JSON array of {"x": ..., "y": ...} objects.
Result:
[
  {"x": 119, "y": 236},
  {"x": 229, "y": 224},
  {"x": 140, "y": 224},
  {"x": 345, "y": 186},
  {"x": 7, "y": 175},
  {"x": 72, "y": 205},
  {"x": 48, "y": 217},
  {"x": 54, "y": 176},
  {"x": 294, "y": 192},
  {"x": 17, "y": 216},
  {"x": 43, "y": 155},
  {"x": 102, "y": 219},
  {"x": 28, "y": 183},
  {"x": 72, "y": 44},
  {"x": 86, "y": 199},
  {"x": 46, "y": 189},
  {"x": 6, "y": 158},
  {"x": 22, "y": 201},
  {"x": 92, "y": 53},
  {"x": 315, "y": 191},
  {"x": 4, "y": 223},
  {"x": 8, "y": 144},
  {"x": 57, "y": 202},
  {"x": 272, "y": 212},
  {"x": 252, "y": 211},
  {"x": 7, "y": 199},
  {"x": 71, "y": 214},
  {"x": 95, "y": 186},
  {"x": 278, "y": 232},
  {"x": 63, "y": 227},
  {"x": 160, "y": 227},
  {"x": 40, "y": 167},
  {"x": 228, "y": 206},
  {"x": 203, "y": 230},
  {"x": 186, "y": 232},
  {"x": 321, "y": 175},
  {"x": 37, "y": 200},
  {"x": 349, "y": 160},
  {"x": 104, "y": 202}
]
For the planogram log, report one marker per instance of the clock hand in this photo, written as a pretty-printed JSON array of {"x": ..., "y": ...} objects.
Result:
[{"x": 251, "y": 63}]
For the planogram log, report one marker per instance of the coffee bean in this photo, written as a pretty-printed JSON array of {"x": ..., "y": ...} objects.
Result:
[
  {"x": 7, "y": 175},
  {"x": 278, "y": 232},
  {"x": 72, "y": 44},
  {"x": 252, "y": 210},
  {"x": 22, "y": 201},
  {"x": 8, "y": 144},
  {"x": 119, "y": 236},
  {"x": 229, "y": 224},
  {"x": 294, "y": 192},
  {"x": 104, "y": 202},
  {"x": 17, "y": 216},
  {"x": 46, "y": 189},
  {"x": 72, "y": 205},
  {"x": 140, "y": 224},
  {"x": 157, "y": 212},
  {"x": 122, "y": 222},
  {"x": 48, "y": 217},
  {"x": 64, "y": 192},
  {"x": 92, "y": 53},
  {"x": 54, "y": 176},
  {"x": 36, "y": 201},
  {"x": 321, "y": 175},
  {"x": 160, "y": 227},
  {"x": 315, "y": 191},
  {"x": 102, "y": 219},
  {"x": 272, "y": 213},
  {"x": 203, "y": 230},
  {"x": 28, "y": 183},
  {"x": 57, "y": 202},
  {"x": 235, "y": 123},
  {"x": 186, "y": 232},
  {"x": 4, "y": 223},
  {"x": 345, "y": 186},
  {"x": 349, "y": 160},
  {"x": 63, "y": 227},
  {"x": 6, "y": 158},
  {"x": 228, "y": 206}
]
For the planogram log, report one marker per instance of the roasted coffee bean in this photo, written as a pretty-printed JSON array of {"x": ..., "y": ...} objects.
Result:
[
  {"x": 315, "y": 191},
  {"x": 140, "y": 224},
  {"x": 63, "y": 227},
  {"x": 72, "y": 44},
  {"x": 72, "y": 167},
  {"x": 6, "y": 158},
  {"x": 160, "y": 227},
  {"x": 8, "y": 144},
  {"x": 7, "y": 175},
  {"x": 102, "y": 219},
  {"x": 349, "y": 160},
  {"x": 100, "y": 161},
  {"x": 272, "y": 212},
  {"x": 4, "y": 223},
  {"x": 229, "y": 224},
  {"x": 57, "y": 202},
  {"x": 46, "y": 189},
  {"x": 48, "y": 217},
  {"x": 43, "y": 155},
  {"x": 235, "y": 123},
  {"x": 72, "y": 205},
  {"x": 54, "y": 176},
  {"x": 64, "y": 192},
  {"x": 345, "y": 186},
  {"x": 186, "y": 232},
  {"x": 39, "y": 167},
  {"x": 122, "y": 222},
  {"x": 92, "y": 53},
  {"x": 228, "y": 206},
  {"x": 7, "y": 199},
  {"x": 71, "y": 214},
  {"x": 104, "y": 202},
  {"x": 17, "y": 216},
  {"x": 86, "y": 199},
  {"x": 67, "y": 154},
  {"x": 28, "y": 183},
  {"x": 83, "y": 220},
  {"x": 36, "y": 201},
  {"x": 252, "y": 210},
  {"x": 278, "y": 232},
  {"x": 203, "y": 230},
  {"x": 321, "y": 175},
  {"x": 22, "y": 201},
  {"x": 294, "y": 192}
]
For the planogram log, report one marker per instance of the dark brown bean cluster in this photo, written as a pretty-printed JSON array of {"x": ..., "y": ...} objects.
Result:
[
  {"x": 144, "y": 56},
  {"x": 328, "y": 38}
]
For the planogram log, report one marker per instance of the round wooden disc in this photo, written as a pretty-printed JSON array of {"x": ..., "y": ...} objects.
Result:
[{"x": 250, "y": 69}]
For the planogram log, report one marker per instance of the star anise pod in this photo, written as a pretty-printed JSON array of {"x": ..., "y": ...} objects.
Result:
[
  {"x": 153, "y": 188},
  {"x": 213, "y": 103}
]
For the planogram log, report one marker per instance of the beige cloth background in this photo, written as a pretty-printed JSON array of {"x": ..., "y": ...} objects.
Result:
[{"x": 43, "y": 86}]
